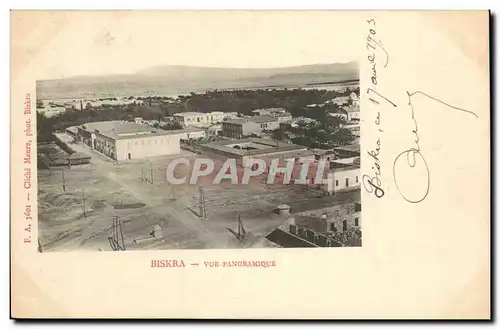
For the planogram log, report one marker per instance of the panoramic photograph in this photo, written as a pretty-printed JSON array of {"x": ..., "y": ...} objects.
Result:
[{"x": 195, "y": 156}]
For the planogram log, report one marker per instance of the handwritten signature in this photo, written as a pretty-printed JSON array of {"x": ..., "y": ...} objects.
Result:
[{"x": 410, "y": 169}]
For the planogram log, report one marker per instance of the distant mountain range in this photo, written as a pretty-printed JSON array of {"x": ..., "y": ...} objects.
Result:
[{"x": 173, "y": 80}]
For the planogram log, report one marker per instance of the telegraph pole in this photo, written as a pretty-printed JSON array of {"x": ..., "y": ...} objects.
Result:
[
  {"x": 83, "y": 204},
  {"x": 40, "y": 249},
  {"x": 142, "y": 175},
  {"x": 151, "y": 170},
  {"x": 116, "y": 241},
  {"x": 203, "y": 209},
  {"x": 63, "y": 181}
]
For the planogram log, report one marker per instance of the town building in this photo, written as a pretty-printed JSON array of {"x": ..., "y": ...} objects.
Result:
[
  {"x": 352, "y": 112},
  {"x": 280, "y": 114},
  {"x": 239, "y": 128},
  {"x": 266, "y": 123},
  {"x": 348, "y": 113},
  {"x": 294, "y": 122},
  {"x": 190, "y": 133},
  {"x": 338, "y": 225},
  {"x": 269, "y": 111},
  {"x": 282, "y": 117},
  {"x": 244, "y": 150},
  {"x": 339, "y": 101},
  {"x": 192, "y": 118},
  {"x": 343, "y": 178},
  {"x": 121, "y": 140},
  {"x": 215, "y": 130},
  {"x": 340, "y": 114},
  {"x": 78, "y": 158},
  {"x": 243, "y": 127},
  {"x": 354, "y": 128},
  {"x": 230, "y": 115},
  {"x": 337, "y": 162},
  {"x": 348, "y": 151}
]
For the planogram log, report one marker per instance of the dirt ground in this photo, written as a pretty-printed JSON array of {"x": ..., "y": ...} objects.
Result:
[{"x": 103, "y": 186}]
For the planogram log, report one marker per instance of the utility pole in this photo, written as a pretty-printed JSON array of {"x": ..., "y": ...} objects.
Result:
[
  {"x": 63, "y": 181},
  {"x": 40, "y": 249},
  {"x": 151, "y": 169},
  {"x": 203, "y": 209},
  {"x": 116, "y": 240},
  {"x": 142, "y": 175},
  {"x": 83, "y": 204}
]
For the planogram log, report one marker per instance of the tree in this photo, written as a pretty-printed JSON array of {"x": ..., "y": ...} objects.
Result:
[
  {"x": 279, "y": 134},
  {"x": 343, "y": 136}
]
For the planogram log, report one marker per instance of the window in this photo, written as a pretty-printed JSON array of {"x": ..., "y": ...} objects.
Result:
[
  {"x": 337, "y": 213},
  {"x": 347, "y": 182},
  {"x": 336, "y": 183},
  {"x": 198, "y": 119},
  {"x": 332, "y": 227},
  {"x": 357, "y": 181},
  {"x": 344, "y": 225},
  {"x": 356, "y": 221}
]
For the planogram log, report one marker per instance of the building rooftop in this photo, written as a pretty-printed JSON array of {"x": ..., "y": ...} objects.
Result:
[
  {"x": 116, "y": 127},
  {"x": 350, "y": 147},
  {"x": 351, "y": 109},
  {"x": 349, "y": 167},
  {"x": 263, "y": 119},
  {"x": 280, "y": 114},
  {"x": 124, "y": 130},
  {"x": 271, "y": 109},
  {"x": 79, "y": 155},
  {"x": 188, "y": 114},
  {"x": 236, "y": 121},
  {"x": 254, "y": 146}
]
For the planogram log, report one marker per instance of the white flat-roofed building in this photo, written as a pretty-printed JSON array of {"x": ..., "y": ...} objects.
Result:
[
  {"x": 121, "y": 140},
  {"x": 193, "y": 118},
  {"x": 354, "y": 128},
  {"x": 343, "y": 178},
  {"x": 230, "y": 115},
  {"x": 190, "y": 133},
  {"x": 269, "y": 111}
]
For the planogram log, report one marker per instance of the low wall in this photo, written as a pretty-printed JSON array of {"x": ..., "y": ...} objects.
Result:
[{"x": 63, "y": 146}]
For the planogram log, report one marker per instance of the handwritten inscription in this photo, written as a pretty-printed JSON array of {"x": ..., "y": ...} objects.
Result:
[
  {"x": 372, "y": 182},
  {"x": 410, "y": 170}
]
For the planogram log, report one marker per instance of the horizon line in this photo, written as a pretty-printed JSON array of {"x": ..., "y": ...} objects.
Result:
[{"x": 197, "y": 66}]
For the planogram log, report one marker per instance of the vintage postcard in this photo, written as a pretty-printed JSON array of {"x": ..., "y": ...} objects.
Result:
[{"x": 230, "y": 164}]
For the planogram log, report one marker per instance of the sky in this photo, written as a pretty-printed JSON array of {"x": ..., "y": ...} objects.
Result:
[{"x": 89, "y": 43}]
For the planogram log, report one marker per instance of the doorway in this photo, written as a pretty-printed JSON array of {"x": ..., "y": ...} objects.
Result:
[{"x": 129, "y": 156}]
